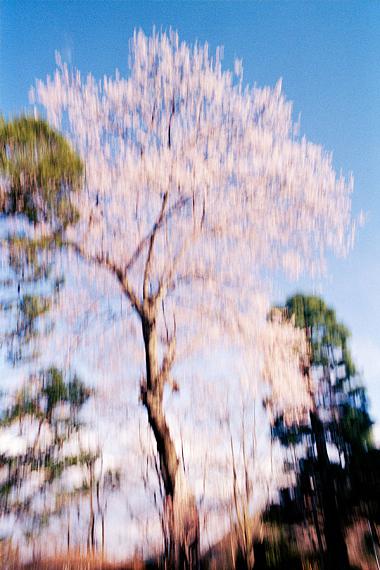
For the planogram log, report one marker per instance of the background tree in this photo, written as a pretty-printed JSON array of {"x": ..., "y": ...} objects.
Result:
[
  {"x": 41, "y": 424},
  {"x": 30, "y": 288},
  {"x": 339, "y": 393},
  {"x": 39, "y": 170},
  {"x": 194, "y": 186},
  {"x": 338, "y": 419}
]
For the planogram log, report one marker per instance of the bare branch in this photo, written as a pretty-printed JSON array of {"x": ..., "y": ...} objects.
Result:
[
  {"x": 103, "y": 261},
  {"x": 148, "y": 264},
  {"x": 182, "y": 201}
]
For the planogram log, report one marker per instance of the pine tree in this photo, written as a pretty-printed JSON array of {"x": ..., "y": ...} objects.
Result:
[
  {"x": 42, "y": 422},
  {"x": 39, "y": 171},
  {"x": 338, "y": 420}
]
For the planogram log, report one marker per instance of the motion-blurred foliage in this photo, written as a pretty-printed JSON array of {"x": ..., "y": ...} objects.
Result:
[{"x": 41, "y": 170}]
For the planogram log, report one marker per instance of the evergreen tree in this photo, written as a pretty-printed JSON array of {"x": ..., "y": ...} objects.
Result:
[
  {"x": 40, "y": 170},
  {"x": 42, "y": 424},
  {"x": 338, "y": 419}
]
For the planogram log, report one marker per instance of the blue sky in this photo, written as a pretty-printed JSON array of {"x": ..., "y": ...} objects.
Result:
[{"x": 328, "y": 55}]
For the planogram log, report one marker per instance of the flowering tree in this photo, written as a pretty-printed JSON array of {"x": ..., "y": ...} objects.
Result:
[{"x": 196, "y": 188}]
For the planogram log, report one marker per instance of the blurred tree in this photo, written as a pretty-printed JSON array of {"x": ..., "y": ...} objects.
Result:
[
  {"x": 338, "y": 419},
  {"x": 42, "y": 425},
  {"x": 194, "y": 186},
  {"x": 339, "y": 396},
  {"x": 30, "y": 287},
  {"x": 41, "y": 171}
]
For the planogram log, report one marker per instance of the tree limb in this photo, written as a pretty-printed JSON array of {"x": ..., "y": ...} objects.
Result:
[
  {"x": 105, "y": 262},
  {"x": 149, "y": 260}
]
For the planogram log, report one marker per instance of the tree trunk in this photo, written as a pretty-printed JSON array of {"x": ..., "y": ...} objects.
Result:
[
  {"x": 337, "y": 555},
  {"x": 68, "y": 532},
  {"x": 103, "y": 535},
  {"x": 180, "y": 509},
  {"x": 91, "y": 526}
]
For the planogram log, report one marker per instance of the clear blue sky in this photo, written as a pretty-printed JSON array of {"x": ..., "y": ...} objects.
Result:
[{"x": 328, "y": 54}]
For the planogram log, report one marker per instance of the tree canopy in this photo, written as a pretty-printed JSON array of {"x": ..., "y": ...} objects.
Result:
[
  {"x": 41, "y": 170},
  {"x": 323, "y": 329}
]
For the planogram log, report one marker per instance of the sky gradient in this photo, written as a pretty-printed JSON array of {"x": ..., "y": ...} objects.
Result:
[{"x": 328, "y": 57}]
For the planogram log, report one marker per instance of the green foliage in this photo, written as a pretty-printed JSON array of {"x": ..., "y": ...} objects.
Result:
[
  {"x": 25, "y": 310},
  {"x": 25, "y": 253},
  {"x": 77, "y": 393},
  {"x": 312, "y": 314},
  {"x": 38, "y": 400},
  {"x": 57, "y": 390},
  {"x": 54, "y": 388},
  {"x": 355, "y": 426},
  {"x": 31, "y": 265},
  {"x": 24, "y": 406},
  {"x": 289, "y": 435},
  {"x": 40, "y": 396},
  {"x": 33, "y": 306},
  {"x": 339, "y": 416},
  {"x": 39, "y": 171},
  {"x": 42, "y": 170},
  {"x": 352, "y": 428}
]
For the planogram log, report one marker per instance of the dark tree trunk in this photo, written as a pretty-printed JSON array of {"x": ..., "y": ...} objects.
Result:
[
  {"x": 180, "y": 510},
  {"x": 68, "y": 534},
  {"x": 337, "y": 555},
  {"x": 103, "y": 535},
  {"x": 91, "y": 527}
]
